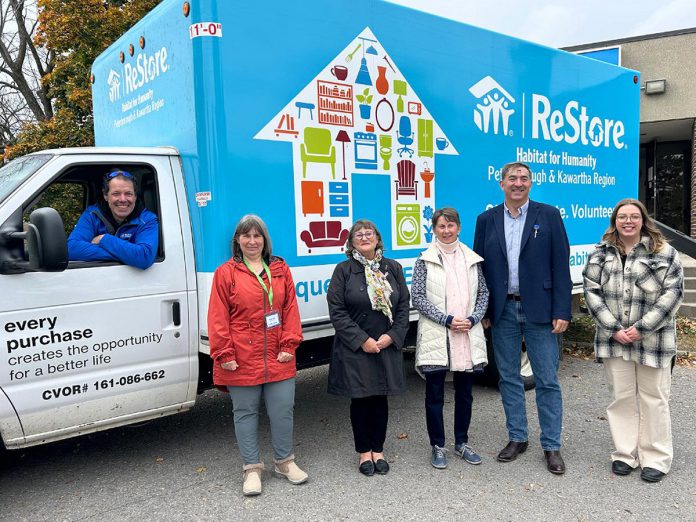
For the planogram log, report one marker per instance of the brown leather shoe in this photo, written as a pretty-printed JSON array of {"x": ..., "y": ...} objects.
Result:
[
  {"x": 554, "y": 462},
  {"x": 512, "y": 451}
]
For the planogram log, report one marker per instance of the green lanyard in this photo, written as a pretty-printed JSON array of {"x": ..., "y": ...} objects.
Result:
[{"x": 263, "y": 285}]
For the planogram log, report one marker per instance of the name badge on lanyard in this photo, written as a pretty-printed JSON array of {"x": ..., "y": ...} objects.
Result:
[{"x": 272, "y": 318}]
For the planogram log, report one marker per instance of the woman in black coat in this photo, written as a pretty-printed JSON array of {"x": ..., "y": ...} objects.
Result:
[{"x": 369, "y": 308}]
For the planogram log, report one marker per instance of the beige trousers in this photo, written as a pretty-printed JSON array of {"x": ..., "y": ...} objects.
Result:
[{"x": 639, "y": 417}]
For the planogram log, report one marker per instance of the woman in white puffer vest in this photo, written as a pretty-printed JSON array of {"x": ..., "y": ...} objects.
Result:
[{"x": 450, "y": 292}]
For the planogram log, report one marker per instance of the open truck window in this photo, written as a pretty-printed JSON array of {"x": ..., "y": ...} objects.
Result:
[
  {"x": 67, "y": 197},
  {"x": 80, "y": 186}
]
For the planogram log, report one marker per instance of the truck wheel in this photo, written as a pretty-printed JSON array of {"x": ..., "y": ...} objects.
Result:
[
  {"x": 526, "y": 372},
  {"x": 490, "y": 376}
]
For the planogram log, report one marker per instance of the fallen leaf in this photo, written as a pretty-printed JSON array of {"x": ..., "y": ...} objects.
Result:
[
  {"x": 201, "y": 469},
  {"x": 402, "y": 436}
]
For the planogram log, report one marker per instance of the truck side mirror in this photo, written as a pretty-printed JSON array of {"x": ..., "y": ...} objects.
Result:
[{"x": 47, "y": 248}]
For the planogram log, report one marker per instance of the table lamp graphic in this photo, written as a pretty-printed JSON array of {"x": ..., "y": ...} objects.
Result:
[{"x": 400, "y": 89}]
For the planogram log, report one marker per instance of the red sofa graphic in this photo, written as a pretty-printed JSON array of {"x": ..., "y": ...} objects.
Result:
[{"x": 324, "y": 234}]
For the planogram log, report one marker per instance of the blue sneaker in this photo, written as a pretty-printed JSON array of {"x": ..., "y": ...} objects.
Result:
[
  {"x": 438, "y": 458},
  {"x": 467, "y": 453}
]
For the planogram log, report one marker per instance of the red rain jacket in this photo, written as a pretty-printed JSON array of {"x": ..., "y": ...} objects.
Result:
[{"x": 237, "y": 328}]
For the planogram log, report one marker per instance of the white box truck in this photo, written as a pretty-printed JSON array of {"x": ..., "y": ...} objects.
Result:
[{"x": 311, "y": 114}]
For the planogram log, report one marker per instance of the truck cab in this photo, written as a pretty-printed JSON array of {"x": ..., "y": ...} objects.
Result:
[{"x": 93, "y": 343}]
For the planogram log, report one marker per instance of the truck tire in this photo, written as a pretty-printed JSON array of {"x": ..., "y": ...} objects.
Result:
[
  {"x": 490, "y": 376},
  {"x": 526, "y": 372}
]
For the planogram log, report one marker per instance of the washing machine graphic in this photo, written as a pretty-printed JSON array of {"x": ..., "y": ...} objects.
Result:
[{"x": 408, "y": 224}]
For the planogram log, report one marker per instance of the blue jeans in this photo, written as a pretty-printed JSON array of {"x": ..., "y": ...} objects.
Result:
[{"x": 542, "y": 350}]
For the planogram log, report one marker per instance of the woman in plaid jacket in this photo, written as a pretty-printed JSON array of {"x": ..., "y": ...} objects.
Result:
[{"x": 633, "y": 287}]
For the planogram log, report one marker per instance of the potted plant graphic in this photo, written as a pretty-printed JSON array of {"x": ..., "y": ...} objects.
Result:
[
  {"x": 428, "y": 215},
  {"x": 365, "y": 99}
]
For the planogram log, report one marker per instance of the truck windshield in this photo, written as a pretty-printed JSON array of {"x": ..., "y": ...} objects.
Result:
[{"x": 16, "y": 172}]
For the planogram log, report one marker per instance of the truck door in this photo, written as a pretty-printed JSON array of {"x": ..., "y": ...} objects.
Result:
[{"x": 101, "y": 343}]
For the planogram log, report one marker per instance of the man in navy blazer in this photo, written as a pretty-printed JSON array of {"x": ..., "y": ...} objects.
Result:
[{"x": 526, "y": 265}]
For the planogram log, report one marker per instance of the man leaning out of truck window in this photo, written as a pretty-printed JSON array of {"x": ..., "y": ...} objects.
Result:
[{"x": 119, "y": 228}]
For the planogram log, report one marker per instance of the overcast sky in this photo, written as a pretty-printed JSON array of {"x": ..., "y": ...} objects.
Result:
[{"x": 561, "y": 23}]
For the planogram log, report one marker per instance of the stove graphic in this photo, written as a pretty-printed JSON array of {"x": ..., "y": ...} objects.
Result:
[{"x": 365, "y": 150}]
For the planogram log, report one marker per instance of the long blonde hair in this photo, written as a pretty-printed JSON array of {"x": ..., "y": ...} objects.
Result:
[{"x": 611, "y": 235}]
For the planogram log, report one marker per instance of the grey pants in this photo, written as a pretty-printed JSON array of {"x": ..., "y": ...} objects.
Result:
[{"x": 279, "y": 398}]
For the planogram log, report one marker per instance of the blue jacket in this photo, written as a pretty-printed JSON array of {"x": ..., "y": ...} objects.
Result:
[
  {"x": 545, "y": 283},
  {"x": 134, "y": 243}
]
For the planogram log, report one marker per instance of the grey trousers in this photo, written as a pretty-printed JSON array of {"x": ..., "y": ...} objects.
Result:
[{"x": 279, "y": 398}]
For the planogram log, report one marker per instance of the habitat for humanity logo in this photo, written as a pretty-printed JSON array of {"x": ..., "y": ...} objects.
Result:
[
  {"x": 493, "y": 106},
  {"x": 114, "y": 82}
]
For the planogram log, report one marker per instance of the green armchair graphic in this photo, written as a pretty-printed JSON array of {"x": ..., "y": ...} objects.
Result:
[{"x": 317, "y": 148}]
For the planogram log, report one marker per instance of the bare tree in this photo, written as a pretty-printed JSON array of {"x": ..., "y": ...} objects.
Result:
[
  {"x": 14, "y": 113},
  {"x": 22, "y": 66}
]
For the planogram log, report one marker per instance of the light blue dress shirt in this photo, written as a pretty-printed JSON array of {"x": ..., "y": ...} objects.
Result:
[{"x": 513, "y": 238}]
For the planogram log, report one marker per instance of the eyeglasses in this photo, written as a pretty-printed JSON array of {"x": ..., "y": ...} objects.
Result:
[
  {"x": 369, "y": 234},
  {"x": 622, "y": 218},
  {"x": 112, "y": 175}
]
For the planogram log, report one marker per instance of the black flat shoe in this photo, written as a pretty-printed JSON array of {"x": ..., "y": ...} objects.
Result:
[
  {"x": 367, "y": 468},
  {"x": 651, "y": 475},
  {"x": 619, "y": 467},
  {"x": 381, "y": 467}
]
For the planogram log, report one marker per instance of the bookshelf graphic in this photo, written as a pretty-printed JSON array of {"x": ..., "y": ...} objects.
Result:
[{"x": 335, "y": 101}]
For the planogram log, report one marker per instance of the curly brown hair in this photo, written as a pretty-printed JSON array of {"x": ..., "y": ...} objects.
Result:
[{"x": 362, "y": 223}]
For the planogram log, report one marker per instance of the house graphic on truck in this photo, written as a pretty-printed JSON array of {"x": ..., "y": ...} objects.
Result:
[{"x": 359, "y": 117}]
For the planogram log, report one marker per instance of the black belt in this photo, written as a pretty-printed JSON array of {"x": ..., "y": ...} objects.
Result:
[{"x": 514, "y": 297}]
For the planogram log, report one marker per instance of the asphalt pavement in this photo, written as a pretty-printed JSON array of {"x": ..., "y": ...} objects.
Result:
[{"x": 187, "y": 467}]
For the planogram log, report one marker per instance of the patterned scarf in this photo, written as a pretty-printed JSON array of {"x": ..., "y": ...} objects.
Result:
[{"x": 378, "y": 288}]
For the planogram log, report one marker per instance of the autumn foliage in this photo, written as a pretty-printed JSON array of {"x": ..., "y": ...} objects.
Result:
[{"x": 77, "y": 31}]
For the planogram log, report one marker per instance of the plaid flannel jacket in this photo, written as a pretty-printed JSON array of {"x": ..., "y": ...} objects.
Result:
[{"x": 645, "y": 293}]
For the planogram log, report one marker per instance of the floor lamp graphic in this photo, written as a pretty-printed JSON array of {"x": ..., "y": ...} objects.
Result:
[{"x": 343, "y": 137}]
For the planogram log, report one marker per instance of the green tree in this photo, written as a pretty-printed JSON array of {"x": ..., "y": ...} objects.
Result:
[{"x": 75, "y": 32}]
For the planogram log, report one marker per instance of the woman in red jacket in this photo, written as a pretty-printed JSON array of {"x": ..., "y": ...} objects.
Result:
[{"x": 254, "y": 329}]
